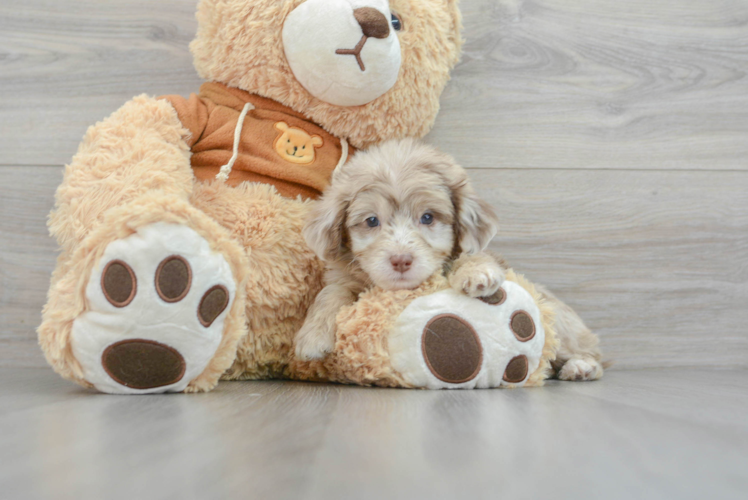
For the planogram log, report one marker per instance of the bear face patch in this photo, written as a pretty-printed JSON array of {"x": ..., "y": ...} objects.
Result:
[{"x": 295, "y": 145}]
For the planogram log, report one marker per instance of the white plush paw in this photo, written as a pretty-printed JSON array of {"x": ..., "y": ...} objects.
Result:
[
  {"x": 581, "y": 369},
  {"x": 447, "y": 340},
  {"x": 311, "y": 345},
  {"x": 479, "y": 281},
  {"x": 157, "y": 301}
]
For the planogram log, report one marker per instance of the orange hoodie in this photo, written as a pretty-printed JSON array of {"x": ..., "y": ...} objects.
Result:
[{"x": 277, "y": 145}]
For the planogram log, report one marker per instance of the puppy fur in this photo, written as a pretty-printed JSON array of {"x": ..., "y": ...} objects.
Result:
[{"x": 395, "y": 215}]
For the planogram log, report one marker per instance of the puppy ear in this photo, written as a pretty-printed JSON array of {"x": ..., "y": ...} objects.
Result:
[
  {"x": 476, "y": 223},
  {"x": 324, "y": 230}
]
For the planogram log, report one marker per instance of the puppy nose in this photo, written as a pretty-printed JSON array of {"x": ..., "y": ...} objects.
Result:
[
  {"x": 401, "y": 263},
  {"x": 372, "y": 22}
]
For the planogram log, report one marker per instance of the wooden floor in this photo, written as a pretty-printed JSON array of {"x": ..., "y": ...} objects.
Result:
[
  {"x": 612, "y": 137},
  {"x": 649, "y": 434}
]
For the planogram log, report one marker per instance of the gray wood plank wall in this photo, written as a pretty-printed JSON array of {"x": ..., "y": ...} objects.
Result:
[{"x": 612, "y": 137}]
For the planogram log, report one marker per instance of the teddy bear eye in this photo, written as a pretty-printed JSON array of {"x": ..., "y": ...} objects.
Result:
[
  {"x": 397, "y": 23},
  {"x": 372, "y": 222}
]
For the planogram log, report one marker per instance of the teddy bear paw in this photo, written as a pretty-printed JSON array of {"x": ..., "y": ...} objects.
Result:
[
  {"x": 157, "y": 303},
  {"x": 447, "y": 340}
]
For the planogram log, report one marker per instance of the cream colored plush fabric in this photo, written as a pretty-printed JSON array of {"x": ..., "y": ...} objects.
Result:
[
  {"x": 240, "y": 43},
  {"x": 133, "y": 170},
  {"x": 363, "y": 353},
  {"x": 314, "y": 33}
]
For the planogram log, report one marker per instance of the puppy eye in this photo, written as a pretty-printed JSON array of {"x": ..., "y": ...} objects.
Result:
[
  {"x": 397, "y": 23},
  {"x": 427, "y": 219},
  {"x": 372, "y": 222}
]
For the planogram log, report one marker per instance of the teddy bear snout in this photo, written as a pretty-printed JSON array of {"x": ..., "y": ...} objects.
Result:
[
  {"x": 343, "y": 52},
  {"x": 372, "y": 22}
]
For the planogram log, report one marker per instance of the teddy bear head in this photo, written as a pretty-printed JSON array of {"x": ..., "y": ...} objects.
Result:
[{"x": 365, "y": 70}]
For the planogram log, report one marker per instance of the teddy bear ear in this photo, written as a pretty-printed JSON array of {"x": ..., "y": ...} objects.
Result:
[
  {"x": 317, "y": 141},
  {"x": 282, "y": 126},
  {"x": 453, "y": 8}
]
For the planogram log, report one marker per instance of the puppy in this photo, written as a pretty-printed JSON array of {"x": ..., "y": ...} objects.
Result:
[{"x": 394, "y": 216}]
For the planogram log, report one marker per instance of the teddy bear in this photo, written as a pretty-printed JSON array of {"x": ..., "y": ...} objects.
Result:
[
  {"x": 434, "y": 337},
  {"x": 179, "y": 219}
]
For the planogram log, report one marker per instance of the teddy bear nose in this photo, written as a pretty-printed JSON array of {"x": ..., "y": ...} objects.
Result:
[
  {"x": 372, "y": 22},
  {"x": 401, "y": 263}
]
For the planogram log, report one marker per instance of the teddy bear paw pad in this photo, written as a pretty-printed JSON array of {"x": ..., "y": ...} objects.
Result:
[
  {"x": 448, "y": 340},
  {"x": 157, "y": 304},
  {"x": 451, "y": 349},
  {"x": 143, "y": 364}
]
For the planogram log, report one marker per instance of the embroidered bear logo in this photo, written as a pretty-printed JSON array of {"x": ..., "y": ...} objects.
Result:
[{"x": 295, "y": 145}]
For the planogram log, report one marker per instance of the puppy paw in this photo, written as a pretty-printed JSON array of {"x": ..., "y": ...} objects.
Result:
[
  {"x": 481, "y": 280},
  {"x": 312, "y": 345},
  {"x": 581, "y": 369}
]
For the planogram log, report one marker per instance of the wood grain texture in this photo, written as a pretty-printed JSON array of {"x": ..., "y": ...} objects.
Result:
[
  {"x": 543, "y": 83},
  {"x": 612, "y": 139},
  {"x": 600, "y": 84},
  {"x": 649, "y": 434},
  {"x": 27, "y": 258},
  {"x": 655, "y": 261},
  {"x": 66, "y": 64},
  {"x": 610, "y": 136}
]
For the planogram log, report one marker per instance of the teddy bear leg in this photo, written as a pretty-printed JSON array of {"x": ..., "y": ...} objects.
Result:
[
  {"x": 152, "y": 302},
  {"x": 139, "y": 149},
  {"x": 448, "y": 340},
  {"x": 132, "y": 301},
  {"x": 283, "y": 274}
]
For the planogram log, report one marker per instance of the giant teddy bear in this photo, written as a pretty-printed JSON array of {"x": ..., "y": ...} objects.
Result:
[{"x": 179, "y": 219}]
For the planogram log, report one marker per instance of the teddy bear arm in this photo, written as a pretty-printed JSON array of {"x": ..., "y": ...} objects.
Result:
[
  {"x": 193, "y": 114},
  {"x": 140, "y": 148}
]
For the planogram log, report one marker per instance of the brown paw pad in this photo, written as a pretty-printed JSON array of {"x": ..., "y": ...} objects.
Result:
[
  {"x": 496, "y": 299},
  {"x": 143, "y": 364},
  {"x": 452, "y": 349},
  {"x": 173, "y": 279},
  {"x": 516, "y": 370},
  {"x": 523, "y": 326},
  {"x": 212, "y": 305},
  {"x": 119, "y": 284}
]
